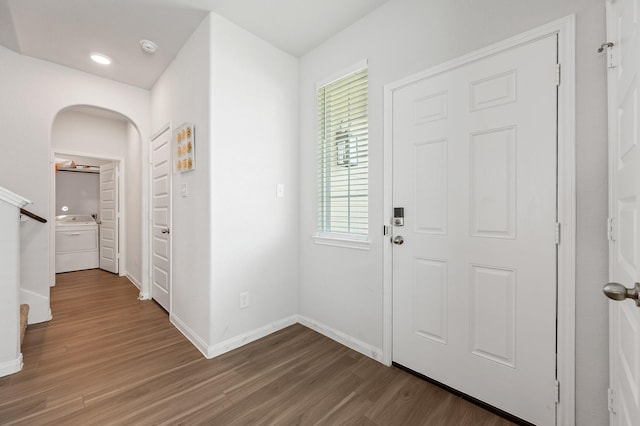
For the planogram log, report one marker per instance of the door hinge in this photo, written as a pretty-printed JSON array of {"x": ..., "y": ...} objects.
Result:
[
  {"x": 611, "y": 63},
  {"x": 611, "y": 400},
  {"x": 386, "y": 230},
  {"x": 558, "y": 73},
  {"x": 557, "y": 232},
  {"x": 556, "y": 392},
  {"x": 610, "y": 229}
]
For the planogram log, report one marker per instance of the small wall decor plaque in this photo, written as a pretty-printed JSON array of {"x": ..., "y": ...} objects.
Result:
[{"x": 184, "y": 148}]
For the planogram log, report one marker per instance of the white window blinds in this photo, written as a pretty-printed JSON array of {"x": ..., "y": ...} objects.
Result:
[{"x": 343, "y": 155}]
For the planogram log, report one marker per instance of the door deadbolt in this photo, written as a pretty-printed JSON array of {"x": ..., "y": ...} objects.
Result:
[{"x": 398, "y": 216}]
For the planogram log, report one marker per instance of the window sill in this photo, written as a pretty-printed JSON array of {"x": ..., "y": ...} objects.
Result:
[{"x": 343, "y": 240}]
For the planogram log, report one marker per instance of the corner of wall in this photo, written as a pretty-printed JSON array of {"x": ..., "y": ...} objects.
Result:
[
  {"x": 248, "y": 337},
  {"x": 39, "y": 310},
  {"x": 191, "y": 335},
  {"x": 133, "y": 280},
  {"x": 343, "y": 338},
  {"x": 11, "y": 367}
]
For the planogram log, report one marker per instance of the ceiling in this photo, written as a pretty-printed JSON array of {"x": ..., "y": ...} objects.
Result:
[{"x": 67, "y": 31}]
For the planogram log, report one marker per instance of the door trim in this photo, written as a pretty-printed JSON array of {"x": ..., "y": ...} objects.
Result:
[
  {"x": 565, "y": 30},
  {"x": 119, "y": 218},
  {"x": 122, "y": 261}
]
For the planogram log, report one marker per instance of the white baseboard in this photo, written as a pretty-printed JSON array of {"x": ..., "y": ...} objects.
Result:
[
  {"x": 11, "y": 367},
  {"x": 142, "y": 295},
  {"x": 342, "y": 338},
  {"x": 133, "y": 280},
  {"x": 235, "y": 342},
  {"x": 39, "y": 308},
  {"x": 196, "y": 340},
  {"x": 250, "y": 336}
]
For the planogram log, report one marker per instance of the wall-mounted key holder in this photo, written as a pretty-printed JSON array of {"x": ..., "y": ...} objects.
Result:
[{"x": 398, "y": 216}]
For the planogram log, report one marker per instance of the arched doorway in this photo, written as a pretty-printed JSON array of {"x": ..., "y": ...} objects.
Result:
[{"x": 91, "y": 136}]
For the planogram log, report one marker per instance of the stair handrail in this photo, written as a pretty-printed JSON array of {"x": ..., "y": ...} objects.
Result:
[{"x": 33, "y": 216}]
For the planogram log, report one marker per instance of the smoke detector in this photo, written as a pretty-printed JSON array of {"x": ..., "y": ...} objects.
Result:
[{"x": 148, "y": 46}]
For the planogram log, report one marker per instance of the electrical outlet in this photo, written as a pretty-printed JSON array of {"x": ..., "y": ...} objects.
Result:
[{"x": 244, "y": 300}]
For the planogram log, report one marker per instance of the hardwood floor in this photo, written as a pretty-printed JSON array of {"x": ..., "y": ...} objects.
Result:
[{"x": 108, "y": 359}]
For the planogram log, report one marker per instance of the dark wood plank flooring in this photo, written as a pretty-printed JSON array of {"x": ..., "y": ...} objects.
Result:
[{"x": 108, "y": 359}]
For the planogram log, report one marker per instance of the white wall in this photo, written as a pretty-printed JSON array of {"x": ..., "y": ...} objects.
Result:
[
  {"x": 133, "y": 203},
  {"x": 79, "y": 132},
  {"x": 79, "y": 192},
  {"x": 10, "y": 356},
  {"x": 182, "y": 94},
  {"x": 399, "y": 39},
  {"x": 33, "y": 92},
  {"x": 254, "y": 147},
  {"x": 231, "y": 234}
]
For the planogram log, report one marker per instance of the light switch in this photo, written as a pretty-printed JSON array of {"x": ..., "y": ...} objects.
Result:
[
  {"x": 184, "y": 191},
  {"x": 280, "y": 190}
]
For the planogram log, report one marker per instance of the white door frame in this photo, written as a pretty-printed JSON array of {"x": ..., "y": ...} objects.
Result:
[
  {"x": 565, "y": 29},
  {"x": 122, "y": 264},
  {"x": 149, "y": 271}
]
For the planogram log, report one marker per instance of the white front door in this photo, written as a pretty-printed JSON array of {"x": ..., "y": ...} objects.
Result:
[
  {"x": 474, "y": 283},
  {"x": 109, "y": 217},
  {"x": 161, "y": 218},
  {"x": 624, "y": 249}
]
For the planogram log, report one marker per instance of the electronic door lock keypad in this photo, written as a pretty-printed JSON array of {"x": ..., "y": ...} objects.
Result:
[{"x": 398, "y": 216}]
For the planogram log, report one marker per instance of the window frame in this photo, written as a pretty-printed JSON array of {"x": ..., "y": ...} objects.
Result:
[{"x": 337, "y": 239}]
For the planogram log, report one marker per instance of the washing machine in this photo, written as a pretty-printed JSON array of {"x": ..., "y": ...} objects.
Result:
[{"x": 77, "y": 243}]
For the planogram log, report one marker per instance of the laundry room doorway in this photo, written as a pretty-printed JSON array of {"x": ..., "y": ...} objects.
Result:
[
  {"x": 88, "y": 212},
  {"x": 102, "y": 146}
]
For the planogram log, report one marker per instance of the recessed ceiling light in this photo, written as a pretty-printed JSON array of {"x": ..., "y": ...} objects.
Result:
[
  {"x": 101, "y": 59},
  {"x": 148, "y": 46}
]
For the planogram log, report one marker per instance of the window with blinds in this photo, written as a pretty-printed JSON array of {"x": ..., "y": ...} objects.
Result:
[{"x": 343, "y": 155}]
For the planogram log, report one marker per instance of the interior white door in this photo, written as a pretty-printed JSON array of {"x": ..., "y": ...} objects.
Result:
[
  {"x": 474, "y": 283},
  {"x": 624, "y": 249},
  {"x": 109, "y": 217},
  {"x": 161, "y": 218}
]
